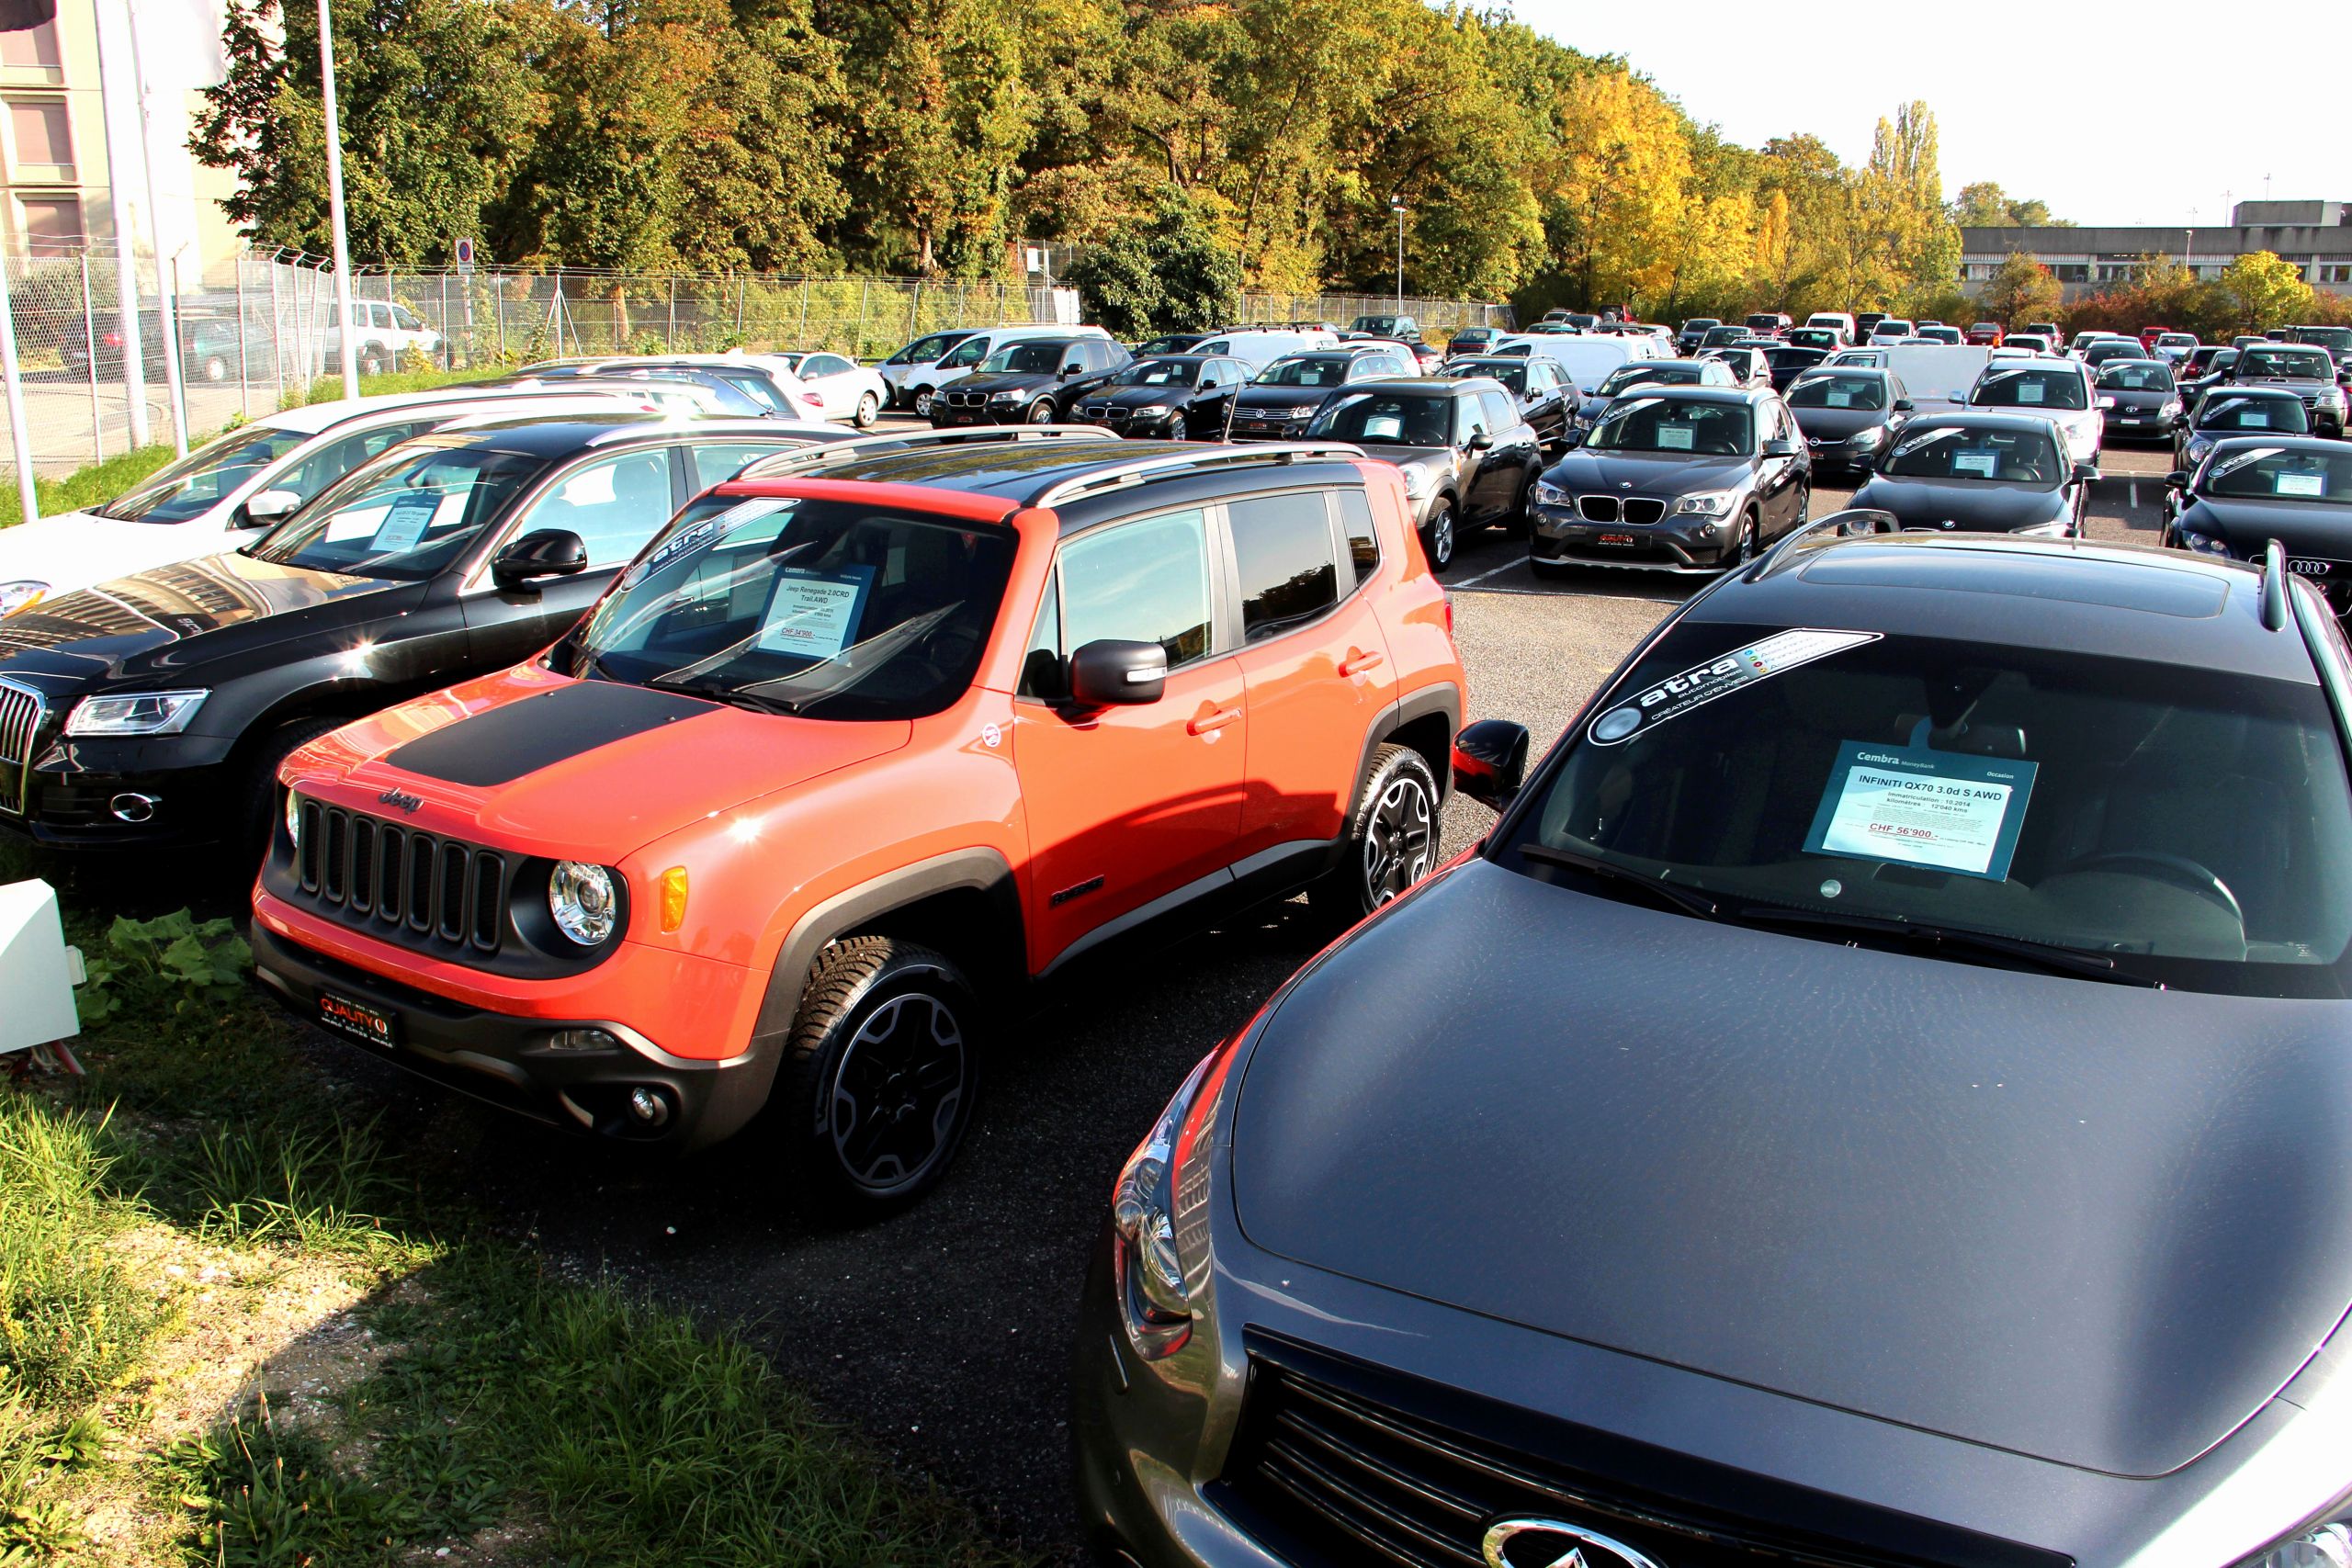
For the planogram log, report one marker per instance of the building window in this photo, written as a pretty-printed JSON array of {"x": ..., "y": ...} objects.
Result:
[
  {"x": 52, "y": 225},
  {"x": 2335, "y": 272},
  {"x": 41, "y": 140},
  {"x": 2072, "y": 272},
  {"x": 31, "y": 54}
]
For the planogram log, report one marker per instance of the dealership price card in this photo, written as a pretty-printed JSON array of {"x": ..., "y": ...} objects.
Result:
[
  {"x": 1940, "y": 809},
  {"x": 814, "y": 613}
]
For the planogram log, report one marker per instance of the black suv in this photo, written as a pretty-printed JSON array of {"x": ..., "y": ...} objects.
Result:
[
  {"x": 155, "y": 709},
  {"x": 1029, "y": 381},
  {"x": 1160, "y": 396},
  {"x": 1469, "y": 459},
  {"x": 2309, "y": 369},
  {"x": 1277, "y": 404}
]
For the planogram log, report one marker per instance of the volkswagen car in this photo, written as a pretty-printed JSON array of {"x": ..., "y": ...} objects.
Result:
[
  {"x": 1873, "y": 1099},
  {"x": 1980, "y": 472},
  {"x": 2251, "y": 490}
]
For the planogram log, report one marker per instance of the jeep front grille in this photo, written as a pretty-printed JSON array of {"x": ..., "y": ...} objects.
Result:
[
  {"x": 377, "y": 873},
  {"x": 20, "y": 713}
]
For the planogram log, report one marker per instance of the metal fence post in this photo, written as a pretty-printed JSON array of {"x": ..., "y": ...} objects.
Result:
[
  {"x": 449, "y": 344},
  {"x": 277, "y": 340},
  {"x": 90, "y": 346},
  {"x": 669, "y": 332},
  {"x": 742, "y": 288},
  {"x": 244, "y": 380},
  {"x": 857, "y": 349},
  {"x": 498, "y": 309},
  {"x": 804, "y": 315}
]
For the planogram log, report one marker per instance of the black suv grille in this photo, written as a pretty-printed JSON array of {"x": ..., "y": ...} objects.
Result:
[
  {"x": 1643, "y": 512},
  {"x": 20, "y": 711},
  {"x": 1331, "y": 1475},
  {"x": 1597, "y": 508},
  {"x": 376, "y": 874}
]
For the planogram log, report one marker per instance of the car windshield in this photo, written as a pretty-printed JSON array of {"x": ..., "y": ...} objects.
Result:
[
  {"x": 1381, "y": 325},
  {"x": 755, "y": 387},
  {"x": 2135, "y": 376},
  {"x": 2022, "y": 456},
  {"x": 2277, "y": 473},
  {"x": 1388, "y": 419},
  {"x": 2337, "y": 338},
  {"x": 1763, "y": 323},
  {"x": 2187, "y": 827},
  {"x": 2031, "y": 388},
  {"x": 834, "y": 609},
  {"x": 1676, "y": 424},
  {"x": 2308, "y": 364},
  {"x": 1467, "y": 337},
  {"x": 1512, "y": 376},
  {"x": 923, "y": 350},
  {"x": 1833, "y": 391},
  {"x": 198, "y": 482},
  {"x": 1025, "y": 358},
  {"x": 1892, "y": 329},
  {"x": 1159, "y": 373},
  {"x": 2224, "y": 411},
  {"x": 1321, "y": 370},
  {"x": 408, "y": 514},
  {"x": 1648, "y": 376},
  {"x": 2175, "y": 340}
]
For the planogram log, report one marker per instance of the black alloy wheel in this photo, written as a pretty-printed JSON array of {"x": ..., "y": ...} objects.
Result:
[{"x": 1392, "y": 837}]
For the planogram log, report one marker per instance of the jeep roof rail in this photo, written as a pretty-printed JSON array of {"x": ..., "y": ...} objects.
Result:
[
  {"x": 881, "y": 442},
  {"x": 1270, "y": 454},
  {"x": 1856, "y": 522}
]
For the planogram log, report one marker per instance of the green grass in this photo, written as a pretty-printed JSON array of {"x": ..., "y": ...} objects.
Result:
[
  {"x": 327, "y": 388},
  {"x": 597, "y": 1428},
  {"x": 88, "y": 485}
]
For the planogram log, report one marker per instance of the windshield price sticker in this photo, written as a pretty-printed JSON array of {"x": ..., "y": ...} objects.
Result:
[
  {"x": 2302, "y": 484},
  {"x": 1985, "y": 464},
  {"x": 405, "y": 522},
  {"x": 2030, "y": 391},
  {"x": 1940, "y": 809},
  {"x": 1841, "y": 400},
  {"x": 814, "y": 613},
  {"x": 1704, "y": 683},
  {"x": 1676, "y": 437}
]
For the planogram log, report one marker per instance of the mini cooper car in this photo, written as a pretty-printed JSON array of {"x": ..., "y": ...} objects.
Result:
[
  {"x": 154, "y": 710},
  {"x": 1873, "y": 1099},
  {"x": 1980, "y": 472},
  {"x": 2253, "y": 490},
  {"x": 1468, "y": 455},
  {"x": 857, "y": 750},
  {"x": 1677, "y": 480},
  {"x": 1847, "y": 416}
]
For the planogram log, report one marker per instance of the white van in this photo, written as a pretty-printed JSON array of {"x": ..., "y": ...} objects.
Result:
[
  {"x": 1836, "y": 320},
  {"x": 919, "y": 369},
  {"x": 1260, "y": 348},
  {"x": 1584, "y": 361}
]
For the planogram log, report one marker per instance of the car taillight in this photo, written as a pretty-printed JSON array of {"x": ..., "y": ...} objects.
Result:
[{"x": 1449, "y": 616}]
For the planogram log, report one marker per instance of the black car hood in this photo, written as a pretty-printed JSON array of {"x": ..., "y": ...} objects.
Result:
[
  {"x": 2090, "y": 1222},
  {"x": 1979, "y": 505},
  {"x": 1009, "y": 381},
  {"x": 1837, "y": 425},
  {"x": 171, "y": 619},
  {"x": 2305, "y": 528},
  {"x": 1651, "y": 473},
  {"x": 2126, "y": 397},
  {"x": 1136, "y": 397},
  {"x": 1253, "y": 398}
]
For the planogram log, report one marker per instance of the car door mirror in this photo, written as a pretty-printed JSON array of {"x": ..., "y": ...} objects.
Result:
[
  {"x": 1113, "y": 673},
  {"x": 1781, "y": 448},
  {"x": 1072, "y": 369},
  {"x": 1479, "y": 441},
  {"x": 266, "y": 507},
  {"x": 1572, "y": 437},
  {"x": 1490, "y": 760},
  {"x": 1903, "y": 405},
  {"x": 2085, "y": 472},
  {"x": 545, "y": 552},
  {"x": 2176, "y": 479}
]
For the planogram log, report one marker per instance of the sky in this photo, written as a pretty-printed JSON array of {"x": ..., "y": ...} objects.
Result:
[{"x": 2051, "y": 129}]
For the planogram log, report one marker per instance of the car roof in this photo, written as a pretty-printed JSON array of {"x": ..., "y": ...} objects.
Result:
[
  {"x": 578, "y": 431},
  {"x": 2082, "y": 596},
  {"x": 2254, "y": 390},
  {"x": 313, "y": 418}
]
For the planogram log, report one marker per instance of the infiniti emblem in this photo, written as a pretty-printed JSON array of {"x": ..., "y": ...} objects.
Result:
[
  {"x": 1549, "y": 1544},
  {"x": 394, "y": 797}
]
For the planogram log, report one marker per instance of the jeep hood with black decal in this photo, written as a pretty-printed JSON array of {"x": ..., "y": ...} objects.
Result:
[
  {"x": 586, "y": 768},
  {"x": 2094, "y": 1224}
]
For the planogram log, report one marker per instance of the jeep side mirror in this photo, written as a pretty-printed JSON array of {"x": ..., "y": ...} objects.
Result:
[
  {"x": 1490, "y": 760},
  {"x": 1114, "y": 672},
  {"x": 545, "y": 552},
  {"x": 266, "y": 507}
]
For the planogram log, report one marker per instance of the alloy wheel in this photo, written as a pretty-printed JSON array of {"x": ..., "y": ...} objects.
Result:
[
  {"x": 1399, "y": 841},
  {"x": 1041, "y": 412},
  {"x": 896, "y": 1093},
  {"x": 922, "y": 401},
  {"x": 1441, "y": 536}
]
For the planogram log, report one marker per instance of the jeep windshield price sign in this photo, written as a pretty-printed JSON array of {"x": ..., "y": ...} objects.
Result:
[{"x": 1939, "y": 809}]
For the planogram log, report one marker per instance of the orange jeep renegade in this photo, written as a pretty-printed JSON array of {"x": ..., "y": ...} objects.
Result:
[{"x": 857, "y": 748}]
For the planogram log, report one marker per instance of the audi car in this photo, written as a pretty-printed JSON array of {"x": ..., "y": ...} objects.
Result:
[
  {"x": 1874, "y": 1098},
  {"x": 2252, "y": 490},
  {"x": 1980, "y": 472}
]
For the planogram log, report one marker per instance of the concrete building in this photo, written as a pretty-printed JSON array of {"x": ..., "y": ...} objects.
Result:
[
  {"x": 62, "y": 130},
  {"x": 2313, "y": 236}
]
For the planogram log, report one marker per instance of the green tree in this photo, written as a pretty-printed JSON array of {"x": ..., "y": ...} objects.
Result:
[
  {"x": 2022, "y": 290},
  {"x": 2262, "y": 290},
  {"x": 1170, "y": 275}
]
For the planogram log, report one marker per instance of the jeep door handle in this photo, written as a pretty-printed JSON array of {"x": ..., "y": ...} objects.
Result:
[
  {"x": 1218, "y": 719},
  {"x": 1357, "y": 663}
]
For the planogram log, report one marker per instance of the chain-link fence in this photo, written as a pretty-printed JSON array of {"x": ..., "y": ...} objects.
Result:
[{"x": 263, "y": 336}]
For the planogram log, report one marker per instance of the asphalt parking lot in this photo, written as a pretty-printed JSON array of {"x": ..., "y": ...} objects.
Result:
[{"x": 942, "y": 1335}]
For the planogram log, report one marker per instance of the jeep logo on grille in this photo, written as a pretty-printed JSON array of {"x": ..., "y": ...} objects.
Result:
[
  {"x": 394, "y": 797},
  {"x": 2311, "y": 568}
]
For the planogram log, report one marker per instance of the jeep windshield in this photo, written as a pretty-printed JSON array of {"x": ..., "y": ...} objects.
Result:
[
  {"x": 2144, "y": 822},
  {"x": 408, "y": 514},
  {"x": 2280, "y": 473},
  {"x": 832, "y": 609},
  {"x": 197, "y": 483},
  {"x": 1665, "y": 424},
  {"x": 2031, "y": 389}
]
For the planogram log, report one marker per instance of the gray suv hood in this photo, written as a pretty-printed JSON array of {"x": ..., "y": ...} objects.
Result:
[{"x": 2090, "y": 1222}]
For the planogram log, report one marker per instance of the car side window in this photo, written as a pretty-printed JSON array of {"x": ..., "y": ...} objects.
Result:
[
  {"x": 824, "y": 364},
  {"x": 716, "y": 462},
  {"x": 1364, "y": 542},
  {"x": 1468, "y": 417},
  {"x": 406, "y": 320},
  {"x": 331, "y": 462},
  {"x": 1284, "y": 556},
  {"x": 614, "y": 503},
  {"x": 1144, "y": 582},
  {"x": 966, "y": 354},
  {"x": 1500, "y": 414}
]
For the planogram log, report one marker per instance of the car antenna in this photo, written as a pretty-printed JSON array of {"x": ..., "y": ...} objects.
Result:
[{"x": 2274, "y": 587}]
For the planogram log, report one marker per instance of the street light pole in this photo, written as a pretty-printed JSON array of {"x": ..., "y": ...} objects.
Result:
[
  {"x": 167, "y": 302},
  {"x": 1396, "y": 205},
  {"x": 347, "y": 335}
]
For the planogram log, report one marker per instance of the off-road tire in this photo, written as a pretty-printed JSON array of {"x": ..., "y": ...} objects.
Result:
[
  {"x": 868, "y": 998},
  {"x": 1391, "y": 841}
]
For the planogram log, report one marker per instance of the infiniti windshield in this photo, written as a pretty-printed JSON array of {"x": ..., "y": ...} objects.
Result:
[
  {"x": 2189, "y": 827},
  {"x": 832, "y": 609},
  {"x": 199, "y": 481}
]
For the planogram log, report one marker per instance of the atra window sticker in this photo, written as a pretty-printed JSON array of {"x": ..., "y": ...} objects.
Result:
[
  {"x": 813, "y": 615},
  {"x": 1943, "y": 810},
  {"x": 695, "y": 535},
  {"x": 1704, "y": 683}
]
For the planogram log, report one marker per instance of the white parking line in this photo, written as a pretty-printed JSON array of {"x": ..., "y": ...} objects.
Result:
[
  {"x": 1483, "y": 575},
  {"x": 1555, "y": 594},
  {"x": 2135, "y": 495}
]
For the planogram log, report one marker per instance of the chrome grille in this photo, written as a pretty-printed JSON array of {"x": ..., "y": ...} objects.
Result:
[
  {"x": 1597, "y": 508},
  {"x": 20, "y": 713},
  {"x": 378, "y": 874}
]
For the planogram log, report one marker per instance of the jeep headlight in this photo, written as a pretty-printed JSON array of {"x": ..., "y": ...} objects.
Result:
[
  {"x": 21, "y": 594},
  {"x": 140, "y": 713},
  {"x": 581, "y": 897},
  {"x": 1705, "y": 503},
  {"x": 1549, "y": 494},
  {"x": 294, "y": 819}
]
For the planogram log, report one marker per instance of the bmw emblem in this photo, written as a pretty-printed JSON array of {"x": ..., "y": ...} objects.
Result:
[{"x": 1616, "y": 724}]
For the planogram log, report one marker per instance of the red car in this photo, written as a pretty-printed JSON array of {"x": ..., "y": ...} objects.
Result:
[
  {"x": 2148, "y": 336},
  {"x": 1986, "y": 335}
]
